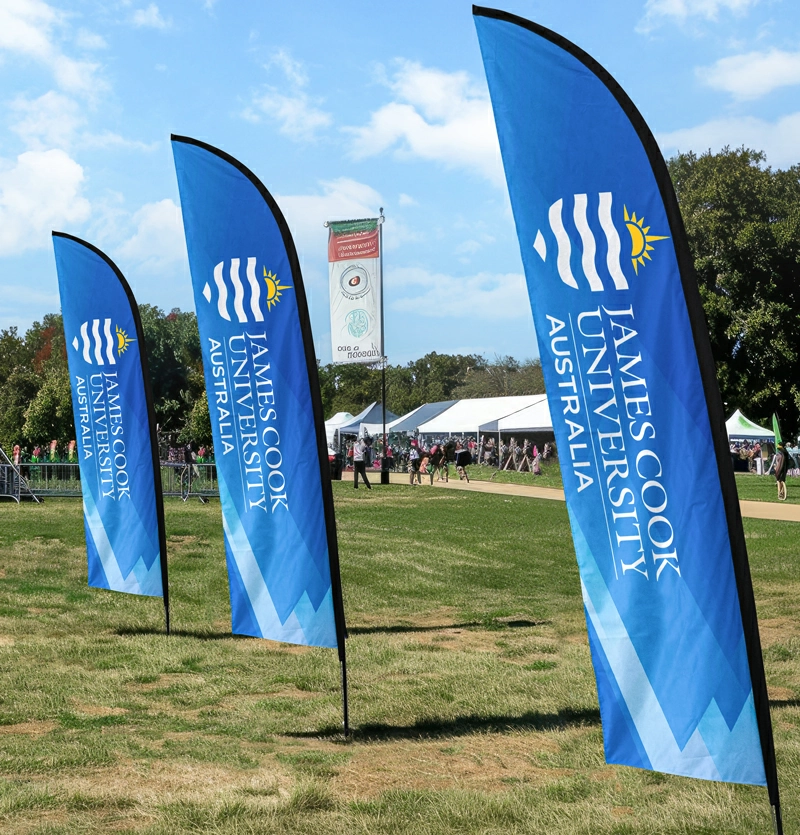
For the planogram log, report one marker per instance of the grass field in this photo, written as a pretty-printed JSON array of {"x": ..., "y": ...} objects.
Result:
[
  {"x": 762, "y": 488},
  {"x": 549, "y": 477},
  {"x": 472, "y": 695}
]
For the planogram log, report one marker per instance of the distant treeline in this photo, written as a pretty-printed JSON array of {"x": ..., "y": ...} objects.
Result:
[{"x": 36, "y": 405}]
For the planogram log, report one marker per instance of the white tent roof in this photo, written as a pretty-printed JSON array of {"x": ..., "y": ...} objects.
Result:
[
  {"x": 466, "y": 416},
  {"x": 333, "y": 423},
  {"x": 739, "y": 426},
  {"x": 533, "y": 418}
]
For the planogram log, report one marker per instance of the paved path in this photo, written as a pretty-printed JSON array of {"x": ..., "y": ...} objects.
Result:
[{"x": 754, "y": 510}]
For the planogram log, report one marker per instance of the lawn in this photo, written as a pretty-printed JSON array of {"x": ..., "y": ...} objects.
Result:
[
  {"x": 549, "y": 477},
  {"x": 473, "y": 701},
  {"x": 763, "y": 488}
]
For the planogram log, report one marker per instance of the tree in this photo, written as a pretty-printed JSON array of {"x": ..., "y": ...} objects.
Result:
[
  {"x": 49, "y": 415},
  {"x": 14, "y": 353},
  {"x": 172, "y": 343},
  {"x": 16, "y": 394},
  {"x": 743, "y": 224},
  {"x": 502, "y": 378}
]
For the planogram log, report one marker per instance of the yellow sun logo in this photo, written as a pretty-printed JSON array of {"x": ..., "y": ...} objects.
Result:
[
  {"x": 640, "y": 240},
  {"x": 123, "y": 341},
  {"x": 274, "y": 288}
]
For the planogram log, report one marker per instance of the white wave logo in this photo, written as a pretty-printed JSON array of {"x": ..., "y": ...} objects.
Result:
[
  {"x": 587, "y": 241},
  {"x": 231, "y": 288},
  {"x": 95, "y": 345}
]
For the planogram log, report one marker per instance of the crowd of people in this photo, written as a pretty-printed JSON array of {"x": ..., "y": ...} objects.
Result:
[
  {"x": 434, "y": 459},
  {"x": 57, "y": 453},
  {"x": 752, "y": 451},
  {"x": 54, "y": 454}
]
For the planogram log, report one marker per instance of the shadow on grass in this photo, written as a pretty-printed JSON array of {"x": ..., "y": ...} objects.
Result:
[
  {"x": 493, "y": 623},
  {"x": 200, "y": 635},
  {"x": 462, "y": 726},
  {"x": 784, "y": 702}
]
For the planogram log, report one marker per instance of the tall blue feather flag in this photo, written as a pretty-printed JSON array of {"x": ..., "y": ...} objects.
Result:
[
  {"x": 114, "y": 421},
  {"x": 264, "y": 402},
  {"x": 636, "y": 412}
]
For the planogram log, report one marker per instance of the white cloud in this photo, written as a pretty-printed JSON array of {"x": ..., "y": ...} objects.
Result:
[
  {"x": 290, "y": 105},
  {"x": 753, "y": 74},
  {"x": 474, "y": 244},
  {"x": 89, "y": 40},
  {"x": 39, "y": 193},
  {"x": 158, "y": 243},
  {"x": 438, "y": 116},
  {"x": 51, "y": 120},
  {"x": 109, "y": 139},
  {"x": 27, "y": 28},
  {"x": 293, "y": 70},
  {"x": 55, "y": 120},
  {"x": 406, "y": 200},
  {"x": 150, "y": 18},
  {"x": 681, "y": 11},
  {"x": 495, "y": 296},
  {"x": 297, "y": 117},
  {"x": 777, "y": 139},
  {"x": 341, "y": 199}
]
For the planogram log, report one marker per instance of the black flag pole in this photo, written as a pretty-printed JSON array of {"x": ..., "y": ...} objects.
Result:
[{"x": 322, "y": 449}]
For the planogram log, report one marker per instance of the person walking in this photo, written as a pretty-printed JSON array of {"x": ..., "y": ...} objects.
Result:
[
  {"x": 361, "y": 450},
  {"x": 781, "y": 465},
  {"x": 437, "y": 463},
  {"x": 414, "y": 461},
  {"x": 463, "y": 459}
]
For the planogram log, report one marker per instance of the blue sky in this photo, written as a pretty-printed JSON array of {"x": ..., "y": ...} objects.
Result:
[{"x": 340, "y": 108}]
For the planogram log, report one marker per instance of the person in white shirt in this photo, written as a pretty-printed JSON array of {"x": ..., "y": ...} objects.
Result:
[
  {"x": 360, "y": 451},
  {"x": 414, "y": 461}
]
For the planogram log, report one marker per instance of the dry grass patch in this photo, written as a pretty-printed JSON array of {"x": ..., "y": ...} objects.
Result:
[
  {"x": 97, "y": 710},
  {"x": 29, "y": 728},
  {"x": 480, "y": 762},
  {"x": 777, "y": 630},
  {"x": 176, "y": 781}
]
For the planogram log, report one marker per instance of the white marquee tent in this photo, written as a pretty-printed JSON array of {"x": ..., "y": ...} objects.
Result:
[
  {"x": 466, "y": 416},
  {"x": 741, "y": 428},
  {"x": 333, "y": 423},
  {"x": 532, "y": 418}
]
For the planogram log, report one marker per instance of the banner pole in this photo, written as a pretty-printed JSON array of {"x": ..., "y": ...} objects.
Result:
[
  {"x": 777, "y": 822},
  {"x": 345, "y": 710},
  {"x": 384, "y": 471}
]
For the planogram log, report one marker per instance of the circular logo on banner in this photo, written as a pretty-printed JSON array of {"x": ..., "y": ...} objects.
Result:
[
  {"x": 357, "y": 322},
  {"x": 354, "y": 281}
]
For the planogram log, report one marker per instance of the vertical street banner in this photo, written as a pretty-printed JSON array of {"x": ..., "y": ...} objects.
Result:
[
  {"x": 114, "y": 421},
  {"x": 355, "y": 290},
  {"x": 264, "y": 403},
  {"x": 636, "y": 411}
]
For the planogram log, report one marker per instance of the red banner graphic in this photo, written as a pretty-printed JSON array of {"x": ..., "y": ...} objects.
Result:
[{"x": 353, "y": 245}]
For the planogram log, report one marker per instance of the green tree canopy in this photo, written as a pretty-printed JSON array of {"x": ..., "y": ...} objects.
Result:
[{"x": 743, "y": 223}]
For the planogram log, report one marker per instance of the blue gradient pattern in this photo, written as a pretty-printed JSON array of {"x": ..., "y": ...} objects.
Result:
[
  {"x": 629, "y": 414},
  {"x": 260, "y": 404},
  {"x": 113, "y": 433}
]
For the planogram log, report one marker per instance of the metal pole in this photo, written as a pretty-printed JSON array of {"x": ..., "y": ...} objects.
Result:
[{"x": 384, "y": 471}]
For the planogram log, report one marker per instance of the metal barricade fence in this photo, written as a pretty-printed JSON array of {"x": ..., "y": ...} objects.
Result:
[
  {"x": 46, "y": 479},
  {"x": 9, "y": 482}
]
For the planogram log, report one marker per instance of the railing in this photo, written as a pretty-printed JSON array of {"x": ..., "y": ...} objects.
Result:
[
  {"x": 9, "y": 482},
  {"x": 45, "y": 479}
]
